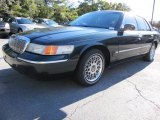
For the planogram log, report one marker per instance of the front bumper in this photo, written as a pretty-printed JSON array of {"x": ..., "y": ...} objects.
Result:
[
  {"x": 33, "y": 63},
  {"x": 4, "y": 30}
]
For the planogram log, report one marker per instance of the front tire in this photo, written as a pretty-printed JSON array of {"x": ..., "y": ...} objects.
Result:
[
  {"x": 91, "y": 67},
  {"x": 150, "y": 56}
]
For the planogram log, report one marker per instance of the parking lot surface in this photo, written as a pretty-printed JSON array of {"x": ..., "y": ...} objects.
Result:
[{"x": 129, "y": 91}]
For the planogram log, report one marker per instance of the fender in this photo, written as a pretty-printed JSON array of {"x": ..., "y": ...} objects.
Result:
[{"x": 92, "y": 46}]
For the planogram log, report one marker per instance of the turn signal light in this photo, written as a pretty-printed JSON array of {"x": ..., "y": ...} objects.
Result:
[{"x": 50, "y": 50}]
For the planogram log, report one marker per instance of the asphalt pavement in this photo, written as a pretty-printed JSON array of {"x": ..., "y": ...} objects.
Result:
[{"x": 129, "y": 91}]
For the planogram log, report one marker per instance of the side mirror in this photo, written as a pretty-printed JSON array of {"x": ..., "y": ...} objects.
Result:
[{"x": 129, "y": 27}]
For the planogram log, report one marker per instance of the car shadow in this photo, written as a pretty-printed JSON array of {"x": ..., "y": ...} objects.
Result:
[{"x": 25, "y": 98}]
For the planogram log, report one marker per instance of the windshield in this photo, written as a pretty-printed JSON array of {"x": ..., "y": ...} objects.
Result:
[
  {"x": 98, "y": 19},
  {"x": 24, "y": 21},
  {"x": 50, "y": 22}
]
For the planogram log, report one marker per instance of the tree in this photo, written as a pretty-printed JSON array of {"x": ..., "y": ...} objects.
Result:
[
  {"x": 59, "y": 10},
  {"x": 119, "y": 6},
  {"x": 43, "y": 11},
  {"x": 28, "y": 7},
  {"x": 91, "y": 5},
  {"x": 24, "y": 8},
  {"x": 84, "y": 8},
  {"x": 5, "y": 6},
  {"x": 64, "y": 13},
  {"x": 102, "y": 5}
]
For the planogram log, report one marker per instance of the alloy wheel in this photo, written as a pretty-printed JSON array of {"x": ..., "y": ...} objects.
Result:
[
  {"x": 152, "y": 52},
  {"x": 94, "y": 67}
]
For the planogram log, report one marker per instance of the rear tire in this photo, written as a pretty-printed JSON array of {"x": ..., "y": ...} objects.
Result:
[
  {"x": 91, "y": 67},
  {"x": 150, "y": 56}
]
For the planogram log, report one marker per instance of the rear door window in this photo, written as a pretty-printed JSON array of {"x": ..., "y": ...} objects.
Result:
[{"x": 142, "y": 25}]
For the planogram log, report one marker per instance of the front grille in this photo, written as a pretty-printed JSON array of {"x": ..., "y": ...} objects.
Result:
[
  {"x": 2, "y": 25},
  {"x": 18, "y": 43}
]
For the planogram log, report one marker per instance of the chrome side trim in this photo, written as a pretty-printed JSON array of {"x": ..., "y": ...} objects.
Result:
[
  {"x": 132, "y": 49},
  {"x": 41, "y": 62}
]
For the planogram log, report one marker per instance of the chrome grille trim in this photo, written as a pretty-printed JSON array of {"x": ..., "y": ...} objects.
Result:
[{"x": 18, "y": 43}]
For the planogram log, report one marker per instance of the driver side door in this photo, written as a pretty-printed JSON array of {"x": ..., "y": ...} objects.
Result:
[{"x": 129, "y": 41}]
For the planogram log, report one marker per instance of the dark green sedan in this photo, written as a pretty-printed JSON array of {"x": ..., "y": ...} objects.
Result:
[{"x": 85, "y": 47}]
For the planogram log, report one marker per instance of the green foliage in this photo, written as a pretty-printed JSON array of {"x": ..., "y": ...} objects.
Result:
[
  {"x": 119, "y": 6},
  {"x": 43, "y": 11},
  {"x": 63, "y": 13},
  {"x": 91, "y": 5},
  {"x": 3, "y": 8},
  {"x": 84, "y": 8},
  {"x": 59, "y": 10}
]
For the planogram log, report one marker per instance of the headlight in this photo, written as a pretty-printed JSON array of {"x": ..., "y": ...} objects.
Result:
[
  {"x": 50, "y": 49},
  {"x": 7, "y": 26}
]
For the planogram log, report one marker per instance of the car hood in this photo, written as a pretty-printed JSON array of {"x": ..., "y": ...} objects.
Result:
[
  {"x": 64, "y": 35},
  {"x": 29, "y": 26}
]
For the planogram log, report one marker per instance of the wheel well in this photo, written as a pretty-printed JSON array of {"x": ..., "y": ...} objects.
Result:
[{"x": 103, "y": 49}]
